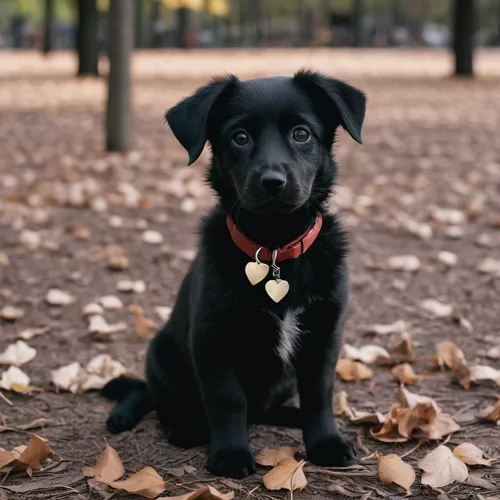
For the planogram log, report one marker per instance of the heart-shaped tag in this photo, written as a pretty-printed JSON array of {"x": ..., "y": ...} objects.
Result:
[
  {"x": 256, "y": 272},
  {"x": 277, "y": 289}
]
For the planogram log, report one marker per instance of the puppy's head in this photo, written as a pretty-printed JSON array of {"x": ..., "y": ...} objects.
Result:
[{"x": 271, "y": 138}]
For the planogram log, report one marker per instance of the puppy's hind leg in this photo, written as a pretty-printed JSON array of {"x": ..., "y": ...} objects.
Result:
[{"x": 134, "y": 403}]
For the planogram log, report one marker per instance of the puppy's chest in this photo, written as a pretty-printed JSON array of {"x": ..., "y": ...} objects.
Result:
[{"x": 289, "y": 334}]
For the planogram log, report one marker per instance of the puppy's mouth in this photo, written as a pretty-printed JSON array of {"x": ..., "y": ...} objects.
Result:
[{"x": 274, "y": 205}]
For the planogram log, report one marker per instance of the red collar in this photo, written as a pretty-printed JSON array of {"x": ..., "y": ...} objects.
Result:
[{"x": 290, "y": 251}]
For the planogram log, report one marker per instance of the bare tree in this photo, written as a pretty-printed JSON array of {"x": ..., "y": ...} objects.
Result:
[
  {"x": 48, "y": 26},
  {"x": 87, "y": 44},
  {"x": 119, "y": 126},
  {"x": 358, "y": 14},
  {"x": 463, "y": 36}
]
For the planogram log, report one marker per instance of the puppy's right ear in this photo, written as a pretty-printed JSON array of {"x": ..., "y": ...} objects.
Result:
[{"x": 189, "y": 119}]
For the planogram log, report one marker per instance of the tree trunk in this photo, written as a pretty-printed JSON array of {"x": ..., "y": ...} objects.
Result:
[
  {"x": 87, "y": 44},
  {"x": 139, "y": 24},
  {"x": 48, "y": 27},
  {"x": 463, "y": 36},
  {"x": 119, "y": 124},
  {"x": 182, "y": 27},
  {"x": 358, "y": 14}
]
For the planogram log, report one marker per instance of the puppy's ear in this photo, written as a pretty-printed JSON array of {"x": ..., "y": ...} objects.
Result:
[
  {"x": 348, "y": 102},
  {"x": 189, "y": 118}
]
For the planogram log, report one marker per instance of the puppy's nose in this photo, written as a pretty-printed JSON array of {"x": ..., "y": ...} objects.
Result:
[{"x": 273, "y": 181}]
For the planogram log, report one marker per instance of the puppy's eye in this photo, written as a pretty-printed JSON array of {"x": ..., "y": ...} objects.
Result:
[
  {"x": 240, "y": 138},
  {"x": 301, "y": 134}
]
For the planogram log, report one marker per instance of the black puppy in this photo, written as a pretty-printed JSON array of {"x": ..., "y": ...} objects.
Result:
[{"x": 259, "y": 313}]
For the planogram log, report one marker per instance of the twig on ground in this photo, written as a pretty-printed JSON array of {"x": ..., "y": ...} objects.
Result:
[
  {"x": 415, "y": 448},
  {"x": 8, "y": 401}
]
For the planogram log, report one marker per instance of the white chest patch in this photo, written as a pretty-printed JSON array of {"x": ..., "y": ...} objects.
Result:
[{"x": 289, "y": 335}]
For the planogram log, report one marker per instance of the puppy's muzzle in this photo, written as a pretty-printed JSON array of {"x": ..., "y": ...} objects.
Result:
[{"x": 273, "y": 182}]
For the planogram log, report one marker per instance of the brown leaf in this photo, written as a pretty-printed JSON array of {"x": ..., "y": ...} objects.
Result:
[
  {"x": 116, "y": 258},
  {"x": 442, "y": 468},
  {"x": 491, "y": 412},
  {"x": 288, "y": 475},
  {"x": 399, "y": 326},
  {"x": 6, "y": 458},
  {"x": 391, "y": 469},
  {"x": 470, "y": 454},
  {"x": 146, "y": 483},
  {"x": 389, "y": 432},
  {"x": 348, "y": 370},
  {"x": 36, "y": 451},
  {"x": 366, "y": 354},
  {"x": 108, "y": 467},
  {"x": 34, "y": 424},
  {"x": 204, "y": 493},
  {"x": 144, "y": 328},
  {"x": 271, "y": 457},
  {"x": 449, "y": 355},
  {"x": 367, "y": 417},
  {"x": 403, "y": 351},
  {"x": 340, "y": 405},
  {"x": 404, "y": 373}
]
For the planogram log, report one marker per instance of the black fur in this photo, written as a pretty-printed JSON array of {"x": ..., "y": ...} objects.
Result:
[{"x": 215, "y": 367}]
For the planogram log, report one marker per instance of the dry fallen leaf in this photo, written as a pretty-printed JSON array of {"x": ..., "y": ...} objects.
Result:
[
  {"x": 30, "y": 456},
  {"x": 447, "y": 258},
  {"x": 31, "y": 240},
  {"x": 414, "y": 416},
  {"x": 11, "y": 313},
  {"x": 144, "y": 328},
  {"x": 129, "y": 286},
  {"x": 436, "y": 308},
  {"x": 271, "y": 457},
  {"x": 399, "y": 326},
  {"x": 489, "y": 266},
  {"x": 57, "y": 297},
  {"x": 491, "y": 413},
  {"x": 111, "y": 302},
  {"x": 34, "y": 424},
  {"x": 204, "y": 493},
  {"x": 409, "y": 263},
  {"x": 494, "y": 352},
  {"x": 403, "y": 351},
  {"x": 367, "y": 417},
  {"x": 484, "y": 372},
  {"x": 105, "y": 332},
  {"x": 449, "y": 355},
  {"x": 340, "y": 406},
  {"x": 16, "y": 380},
  {"x": 470, "y": 454},
  {"x": 29, "y": 333},
  {"x": 449, "y": 216},
  {"x": 442, "y": 468},
  {"x": 404, "y": 373},
  {"x": 367, "y": 354},
  {"x": 164, "y": 312},
  {"x": 17, "y": 354},
  {"x": 145, "y": 483},
  {"x": 152, "y": 237},
  {"x": 348, "y": 370},
  {"x": 116, "y": 258},
  {"x": 391, "y": 469},
  {"x": 99, "y": 370},
  {"x": 108, "y": 467},
  {"x": 288, "y": 475},
  {"x": 92, "y": 309}
]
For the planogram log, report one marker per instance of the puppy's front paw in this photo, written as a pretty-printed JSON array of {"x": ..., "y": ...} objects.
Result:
[
  {"x": 120, "y": 421},
  {"x": 235, "y": 464},
  {"x": 332, "y": 452}
]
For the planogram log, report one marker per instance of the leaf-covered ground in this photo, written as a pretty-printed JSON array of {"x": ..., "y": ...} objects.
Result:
[{"x": 424, "y": 187}]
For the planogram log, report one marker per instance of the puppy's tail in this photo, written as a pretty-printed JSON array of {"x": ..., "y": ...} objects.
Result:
[{"x": 134, "y": 403}]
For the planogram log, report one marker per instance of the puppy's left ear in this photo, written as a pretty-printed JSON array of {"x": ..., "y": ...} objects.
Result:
[
  {"x": 189, "y": 119},
  {"x": 346, "y": 101}
]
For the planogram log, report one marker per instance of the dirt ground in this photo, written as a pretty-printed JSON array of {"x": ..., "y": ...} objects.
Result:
[{"x": 429, "y": 142}]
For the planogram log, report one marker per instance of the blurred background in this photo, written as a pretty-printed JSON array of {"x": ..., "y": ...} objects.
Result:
[
  {"x": 52, "y": 24},
  {"x": 96, "y": 198}
]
